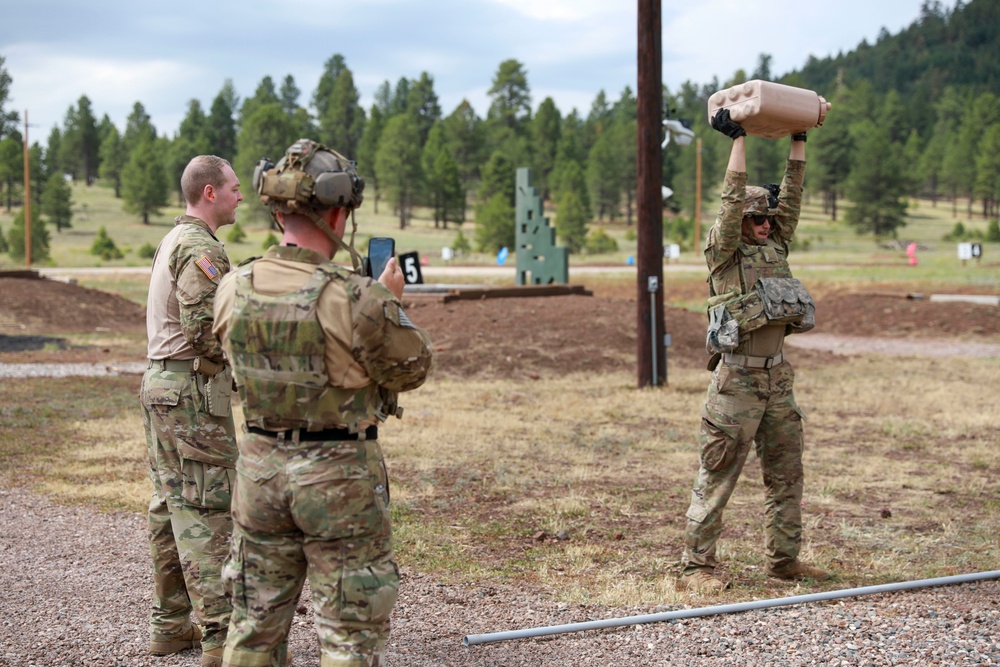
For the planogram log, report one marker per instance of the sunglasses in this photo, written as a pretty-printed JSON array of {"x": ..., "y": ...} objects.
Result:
[{"x": 758, "y": 220}]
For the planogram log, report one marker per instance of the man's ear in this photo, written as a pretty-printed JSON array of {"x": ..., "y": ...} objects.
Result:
[{"x": 209, "y": 192}]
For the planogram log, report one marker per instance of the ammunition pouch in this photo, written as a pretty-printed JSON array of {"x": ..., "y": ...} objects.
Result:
[
  {"x": 747, "y": 310},
  {"x": 723, "y": 331},
  {"x": 786, "y": 301}
]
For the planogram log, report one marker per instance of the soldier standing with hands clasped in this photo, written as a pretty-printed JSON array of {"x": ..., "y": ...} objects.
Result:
[
  {"x": 755, "y": 303},
  {"x": 190, "y": 435},
  {"x": 319, "y": 352}
]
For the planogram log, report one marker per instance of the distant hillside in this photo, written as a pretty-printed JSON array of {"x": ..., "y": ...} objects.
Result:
[{"x": 958, "y": 47}]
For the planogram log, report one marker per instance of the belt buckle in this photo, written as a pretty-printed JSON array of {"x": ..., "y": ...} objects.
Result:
[{"x": 768, "y": 362}]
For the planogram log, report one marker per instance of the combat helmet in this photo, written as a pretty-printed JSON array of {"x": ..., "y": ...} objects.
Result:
[
  {"x": 760, "y": 200},
  {"x": 308, "y": 179}
]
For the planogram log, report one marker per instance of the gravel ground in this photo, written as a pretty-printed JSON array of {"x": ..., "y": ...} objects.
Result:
[
  {"x": 72, "y": 370},
  {"x": 927, "y": 347},
  {"x": 75, "y": 587}
]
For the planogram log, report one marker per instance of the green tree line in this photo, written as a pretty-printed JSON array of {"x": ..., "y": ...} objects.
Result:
[{"x": 913, "y": 115}]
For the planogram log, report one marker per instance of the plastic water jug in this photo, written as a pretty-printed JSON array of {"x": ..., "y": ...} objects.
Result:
[{"x": 768, "y": 109}]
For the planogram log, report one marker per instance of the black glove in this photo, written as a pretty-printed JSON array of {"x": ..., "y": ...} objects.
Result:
[
  {"x": 729, "y": 127},
  {"x": 801, "y": 136}
]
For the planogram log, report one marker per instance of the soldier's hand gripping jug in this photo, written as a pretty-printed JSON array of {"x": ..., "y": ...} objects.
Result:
[{"x": 768, "y": 109}]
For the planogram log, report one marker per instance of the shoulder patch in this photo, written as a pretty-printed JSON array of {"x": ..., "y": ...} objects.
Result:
[
  {"x": 404, "y": 321},
  {"x": 205, "y": 264}
]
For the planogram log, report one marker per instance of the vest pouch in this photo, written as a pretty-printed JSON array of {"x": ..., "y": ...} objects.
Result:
[
  {"x": 786, "y": 301},
  {"x": 723, "y": 331},
  {"x": 748, "y": 311}
]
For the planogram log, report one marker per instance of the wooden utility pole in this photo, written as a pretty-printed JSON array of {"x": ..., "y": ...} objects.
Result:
[
  {"x": 651, "y": 352},
  {"x": 27, "y": 195}
]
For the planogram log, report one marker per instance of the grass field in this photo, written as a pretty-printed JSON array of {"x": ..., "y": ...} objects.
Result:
[
  {"x": 579, "y": 485},
  {"x": 820, "y": 241}
]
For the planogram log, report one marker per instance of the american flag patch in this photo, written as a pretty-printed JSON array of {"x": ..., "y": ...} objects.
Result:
[{"x": 205, "y": 264}]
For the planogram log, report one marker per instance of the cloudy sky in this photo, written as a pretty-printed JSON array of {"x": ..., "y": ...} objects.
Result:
[{"x": 163, "y": 54}]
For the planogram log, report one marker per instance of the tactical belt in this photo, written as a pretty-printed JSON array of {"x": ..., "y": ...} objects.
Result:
[
  {"x": 199, "y": 364},
  {"x": 370, "y": 433},
  {"x": 173, "y": 365},
  {"x": 752, "y": 362}
]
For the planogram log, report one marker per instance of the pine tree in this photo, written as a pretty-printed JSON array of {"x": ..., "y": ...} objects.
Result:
[
  {"x": 877, "y": 183},
  {"x": 463, "y": 131},
  {"x": 545, "y": 130},
  {"x": 571, "y": 221},
  {"x": 81, "y": 142},
  {"x": 342, "y": 123},
  {"x": 495, "y": 224},
  {"x": 57, "y": 205},
  {"x": 144, "y": 181},
  {"x": 398, "y": 164},
  {"x": 367, "y": 150},
  {"x": 39, "y": 239},
  {"x": 221, "y": 122},
  {"x": 442, "y": 185},
  {"x": 603, "y": 181},
  {"x": 113, "y": 159}
]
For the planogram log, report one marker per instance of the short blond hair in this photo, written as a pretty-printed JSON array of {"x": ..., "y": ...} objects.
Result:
[{"x": 202, "y": 170}]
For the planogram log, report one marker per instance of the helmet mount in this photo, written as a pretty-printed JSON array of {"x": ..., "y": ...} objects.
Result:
[{"x": 308, "y": 179}]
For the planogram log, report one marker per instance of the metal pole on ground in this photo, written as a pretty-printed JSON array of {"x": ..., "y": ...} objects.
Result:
[{"x": 472, "y": 640}]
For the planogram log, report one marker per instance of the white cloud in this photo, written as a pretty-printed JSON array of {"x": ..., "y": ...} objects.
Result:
[
  {"x": 52, "y": 82},
  {"x": 562, "y": 10}
]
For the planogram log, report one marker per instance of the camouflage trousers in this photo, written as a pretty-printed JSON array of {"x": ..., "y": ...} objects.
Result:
[
  {"x": 189, "y": 519},
  {"x": 748, "y": 406},
  {"x": 317, "y": 510}
]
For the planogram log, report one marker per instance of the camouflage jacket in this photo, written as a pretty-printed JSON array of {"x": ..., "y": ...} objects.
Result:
[
  {"x": 725, "y": 236},
  {"x": 735, "y": 264},
  {"x": 187, "y": 269}
]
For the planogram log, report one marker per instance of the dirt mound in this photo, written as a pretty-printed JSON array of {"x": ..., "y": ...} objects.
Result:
[
  {"x": 895, "y": 316},
  {"x": 525, "y": 336},
  {"x": 38, "y": 306},
  {"x": 545, "y": 335}
]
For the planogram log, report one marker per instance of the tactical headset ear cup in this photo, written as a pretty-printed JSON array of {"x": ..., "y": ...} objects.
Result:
[{"x": 337, "y": 189}]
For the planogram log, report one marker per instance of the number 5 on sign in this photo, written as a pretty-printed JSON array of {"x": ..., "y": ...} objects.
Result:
[{"x": 410, "y": 264}]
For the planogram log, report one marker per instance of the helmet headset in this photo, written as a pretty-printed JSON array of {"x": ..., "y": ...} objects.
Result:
[{"x": 310, "y": 178}]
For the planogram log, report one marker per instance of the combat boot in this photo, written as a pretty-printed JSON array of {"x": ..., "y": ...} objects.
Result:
[
  {"x": 798, "y": 570},
  {"x": 212, "y": 657},
  {"x": 701, "y": 581},
  {"x": 176, "y": 644}
]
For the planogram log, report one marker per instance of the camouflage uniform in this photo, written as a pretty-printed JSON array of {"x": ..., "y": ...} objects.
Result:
[
  {"x": 192, "y": 453},
  {"x": 318, "y": 352},
  {"x": 750, "y": 398}
]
